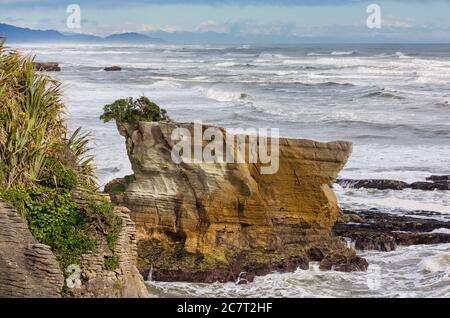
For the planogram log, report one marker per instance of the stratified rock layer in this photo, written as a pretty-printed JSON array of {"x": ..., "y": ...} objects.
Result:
[
  {"x": 97, "y": 281},
  {"x": 27, "y": 268},
  {"x": 212, "y": 221},
  {"x": 30, "y": 269}
]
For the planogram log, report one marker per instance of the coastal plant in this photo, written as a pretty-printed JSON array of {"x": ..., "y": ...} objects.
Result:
[
  {"x": 131, "y": 110},
  {"x": 32, "y": 127},
  {"x": 103, "y": 219},
  {"x": 30, "y": 119},
  {"x": 54, "y": 219},
  {"x": 77, "y": 144},
  {"x": 42, "y": 164},
  {"x": 112, "y": 262}
]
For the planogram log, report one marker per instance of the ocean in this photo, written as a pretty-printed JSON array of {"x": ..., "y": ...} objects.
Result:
[{"x": 391, "y": 101}]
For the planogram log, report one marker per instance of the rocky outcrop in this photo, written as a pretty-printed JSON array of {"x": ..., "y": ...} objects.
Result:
[
  {"x": 123, "y": 282},
  {"x": 47, "y": 67},
  {"x": 374, "y": 230},
  {"x": 30, "y": 269},
  {"x": 379, "y": 184},
  {"x": 112, "y": 69},
  {"x": 27, "y": 268},
  {"x": 228, "y": 221},
  {"x": 433, "y": 183}
]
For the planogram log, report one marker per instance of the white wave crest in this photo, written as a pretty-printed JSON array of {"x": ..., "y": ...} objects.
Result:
[
  {"x": 437, "y": 263},
  {"x": 223, "y": 95},
  {"x": 441, "y": 231},
  {"x": 343, "y": 52}
]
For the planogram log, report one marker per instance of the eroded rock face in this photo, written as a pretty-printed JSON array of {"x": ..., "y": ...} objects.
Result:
[
  {"x": 97, "y": 280},
  {"x": 27, "y": 268},
  {"x": 30, "y": 269},
  {"x": 201, "y": 218}
]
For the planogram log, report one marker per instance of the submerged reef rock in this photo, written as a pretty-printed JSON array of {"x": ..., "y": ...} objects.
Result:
[
  {"x": 27, "y": 268},
  {"x": 214, "y": 221},
  {"x": 47, "y": 67}
]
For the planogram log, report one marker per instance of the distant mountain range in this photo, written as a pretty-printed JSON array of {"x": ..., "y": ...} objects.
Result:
[
  {"x": 24, "y": 35},
  {"x": 15, "y": 34}
]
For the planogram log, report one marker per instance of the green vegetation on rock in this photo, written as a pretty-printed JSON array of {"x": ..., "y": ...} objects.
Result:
[
  {"x": 131, "y": 110},
  {"x": 112, "y": 262},
  {"x": 54, "y": 219},
  {"x": 43, "y": 166}
]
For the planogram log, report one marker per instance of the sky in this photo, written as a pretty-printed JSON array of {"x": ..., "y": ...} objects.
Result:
[{"x": 401, "y": 20}]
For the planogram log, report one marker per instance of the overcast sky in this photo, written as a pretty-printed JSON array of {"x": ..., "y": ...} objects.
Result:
[{"x": 401, "y": 19}]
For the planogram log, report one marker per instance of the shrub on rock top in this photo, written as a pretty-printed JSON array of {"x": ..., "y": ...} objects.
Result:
[{"x": 131, "y": 110}]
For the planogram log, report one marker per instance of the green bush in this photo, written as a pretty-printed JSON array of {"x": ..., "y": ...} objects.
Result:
[
  {"x": 130, "y": 110},
  {"x": 54, "y": 219},
  {"x": 103, "y": 217},
  {"x": 111, "y": 239},
  {"x": 56, "y": 175},
  {"x": 112, "y": 262}
]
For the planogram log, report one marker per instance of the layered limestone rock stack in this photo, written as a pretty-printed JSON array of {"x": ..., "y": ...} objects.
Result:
[
  {"x": 228, "y": 221},
  {"x": 27, "y": 268},
  {"x": 97, "y": 281}
]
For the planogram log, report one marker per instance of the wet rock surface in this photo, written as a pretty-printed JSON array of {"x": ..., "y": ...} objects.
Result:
[
  {"x": 441, "y": 183},
  {"x": 380, "y": 184},
  {"x": 375, "y": 230}
]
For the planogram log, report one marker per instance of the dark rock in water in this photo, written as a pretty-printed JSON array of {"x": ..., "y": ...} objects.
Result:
[
  {"x": 430, "y": 186},
  {"x": 407, "y": 239},
  {"x": 380, "y": 184},
  {"x": 342, "y": 264},
  {"x": 47, "y": 67},
  {"x": 439, "y": 178},
  {"x": 439, "y": 183},
  {"x": 112, "y": 69},
  {"x": 173, "y": 264},
  {"x": 384, "y": 232}
]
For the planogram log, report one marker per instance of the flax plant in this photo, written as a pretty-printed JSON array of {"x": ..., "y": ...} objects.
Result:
[{"x": 32, "y": 127}]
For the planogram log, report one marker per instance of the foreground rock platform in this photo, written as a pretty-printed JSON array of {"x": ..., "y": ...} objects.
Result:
[{"x": 207, "y": 222}]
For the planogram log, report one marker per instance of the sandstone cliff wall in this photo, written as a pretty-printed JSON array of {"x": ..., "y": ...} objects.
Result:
[{"x": 205, "y": 214}]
